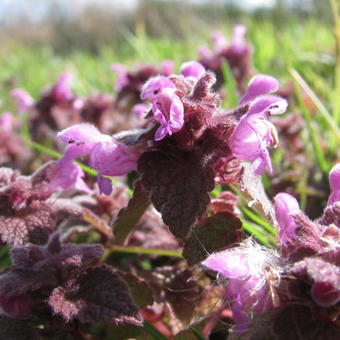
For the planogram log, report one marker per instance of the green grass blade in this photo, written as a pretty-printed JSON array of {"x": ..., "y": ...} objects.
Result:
[
  {"x": 230, "y": 84},
  {"x": 197, "y": 334},
  {"x": 258, "y": 220},
  {"x": 317, "y": 102},
  {"x": 154, "y": 332},
  {"x": 336, "y": 17},
  {"x": 321, "y": 160}
]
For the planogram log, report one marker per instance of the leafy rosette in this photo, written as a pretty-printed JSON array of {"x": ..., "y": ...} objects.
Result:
[{"x": 64, "y": 280}]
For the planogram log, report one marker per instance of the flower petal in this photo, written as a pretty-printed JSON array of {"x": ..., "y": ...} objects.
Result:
[
  {"x": 334, "y": 183},
  {"x": 153, "y": 86},
  {"x": 23, "y": 100},
  {"x": 285, "y": 205},
  {"x": 113, "y": 158},
  {"x": 259, "y": 85},
  {"x": 82, "y": 133},
  {"x": 192, "y": 69}
]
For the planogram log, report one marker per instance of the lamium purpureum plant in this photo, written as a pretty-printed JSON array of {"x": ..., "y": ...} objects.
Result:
[{"x": 187, "y": 139}]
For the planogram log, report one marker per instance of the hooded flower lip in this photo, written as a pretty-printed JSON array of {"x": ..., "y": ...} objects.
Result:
[
  {"x": 23, "y": 100},
  {"x": 192, "y": 69},
  {"x": 167, "y": 108},
  {"x": 246, "y": 268},
  {"x": 108, "y": 156},
  {"x": 152, "y": 87},
  {"x": 258, "y": 86},
  {"x": 334, "y": 183},
  {"x": 285, "y": 207},
  {"x": 254, "y": 134}
]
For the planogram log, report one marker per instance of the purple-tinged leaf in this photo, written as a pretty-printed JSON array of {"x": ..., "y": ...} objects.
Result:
[
  {"x": 179, "y": 187},
  {"x": 141, "y": 292},
  {"x": 128, "y": 217},
  {"x": 31, "y": 224},
  {"x": 105, "y": 297},
  {"x": 214, "y": 234}
]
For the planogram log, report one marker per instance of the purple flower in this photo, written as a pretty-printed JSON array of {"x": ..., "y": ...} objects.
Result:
[
  {"x": 152, "y": 87},
  {"x": 205, "y": 53},
  {"x": 285, "y": 206},
  {"x": 167, "y": 107},
  {"x": 6, "y": 122},
  {"x": 23, "y": 100},
  {"x": 220, "y": 41},
  {"x": 246, "y": 267},
  {"x": 122, "y": 76},
  {"x": 168, "y": 110},
  {"x": 192, "y": 69},
  {"x": 254, "y": 134},
  {"x": 334, "y": 183},
  {"x": 259, "y": 85},
  {"x": 325, "y": 279},
  {"x": 67, "y": 174},
  {"x": 238, "y": 44},
  {"x": 140, "y": 110},
  {"x": 167, "y": 67},
  {"x": 62, "y": 89},
  {"x": 108, "y": 156}
]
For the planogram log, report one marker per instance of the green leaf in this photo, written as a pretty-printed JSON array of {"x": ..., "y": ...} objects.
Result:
[
  {"x": 197, "y": 334},
  {"x": 129, "y": 216},
  {"x": 154, "y": 332}
]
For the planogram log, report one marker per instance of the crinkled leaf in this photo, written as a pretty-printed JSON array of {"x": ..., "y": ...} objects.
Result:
[
  {"x": 127, "y": 218},
  {"x": 179, "y": 187},
  {"x": 12, "y": 329},
  {"x": 46, "y": 266},
  {"x": 105, "y": 297},
  {"x": 216, "y": 233},
  {"x": 32, "y": 224},
  {"x": 61, "y": 305}
]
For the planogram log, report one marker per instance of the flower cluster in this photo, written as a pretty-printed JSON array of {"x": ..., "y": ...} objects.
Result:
[
  {"x": 237, "y": 54},
  {"x": 129, "y": 83},
  {"x": 301, "y": 278},
  {"x": 186, "y": 130}
]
